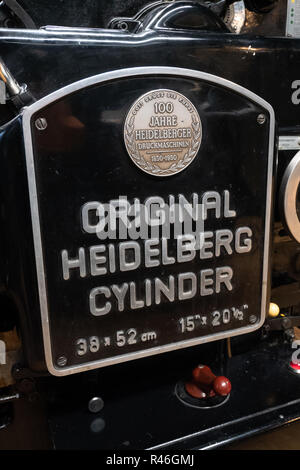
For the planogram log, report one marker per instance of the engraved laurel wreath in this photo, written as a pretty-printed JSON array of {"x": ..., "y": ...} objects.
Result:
[{"x": 151, "y": 167}]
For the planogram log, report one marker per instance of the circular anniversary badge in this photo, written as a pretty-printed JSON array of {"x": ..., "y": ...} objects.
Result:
[{"x": 162, "y": 132}]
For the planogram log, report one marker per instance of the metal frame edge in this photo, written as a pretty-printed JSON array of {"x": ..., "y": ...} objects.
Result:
[{"x": 38, "y": 248}]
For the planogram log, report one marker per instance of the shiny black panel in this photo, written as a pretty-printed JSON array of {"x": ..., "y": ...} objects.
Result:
[{"x": 81, "y": 157}]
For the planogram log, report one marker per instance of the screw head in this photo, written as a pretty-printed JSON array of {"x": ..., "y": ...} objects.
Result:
[
  {"x": 252, "y": 319},
  {"x": 61, "y": 361},
  {"x": 95, "y": 404},
  {"x": 41, "y": 124},
  {"x": 261, "y": 119}
]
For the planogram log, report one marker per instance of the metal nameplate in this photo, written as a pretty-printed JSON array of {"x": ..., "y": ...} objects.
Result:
[
  {"x": 150, "y": 192},
  {"x": 289, "y": 142}
]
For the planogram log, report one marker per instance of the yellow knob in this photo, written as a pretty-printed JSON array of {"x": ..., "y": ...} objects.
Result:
[{"x": 274, "y": 310}]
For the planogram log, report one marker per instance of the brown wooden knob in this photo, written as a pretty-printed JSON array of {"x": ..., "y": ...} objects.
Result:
[
  {"x": 206, "y": 384},
  {"x": 203, "y": 376}
]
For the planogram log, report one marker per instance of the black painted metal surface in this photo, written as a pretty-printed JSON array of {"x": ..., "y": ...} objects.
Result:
[
  {"x": 265, "y": 395},
  {"x": 48, "y": 60}
]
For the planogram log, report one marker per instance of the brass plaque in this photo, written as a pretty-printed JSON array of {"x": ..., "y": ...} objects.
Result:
[{"x": 162, "y": 132}]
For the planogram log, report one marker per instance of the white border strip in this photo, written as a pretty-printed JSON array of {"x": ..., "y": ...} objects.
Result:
[{"x": 101, "y": 78}]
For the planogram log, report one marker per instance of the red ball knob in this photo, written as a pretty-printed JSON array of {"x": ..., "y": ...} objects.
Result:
[{"x": 222, "y": 386}]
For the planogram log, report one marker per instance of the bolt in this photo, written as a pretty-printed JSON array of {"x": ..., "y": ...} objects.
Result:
[
  {"x": 252, "y": 318},
  {"x": 261, "y": 119},
  {"x": 41, "y": 124},
  {"x": 97, "y": 425},
  {"x": 61, "y": 361},
  {"x": 95, "y": 404},
  {"x": 123, "y": 25}
]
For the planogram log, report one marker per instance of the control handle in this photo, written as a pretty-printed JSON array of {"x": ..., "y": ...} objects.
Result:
[{"x": 206, "y": 384}]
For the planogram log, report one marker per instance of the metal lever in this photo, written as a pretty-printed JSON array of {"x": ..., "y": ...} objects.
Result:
[
  {"x": 206, "y": 384},
  {"x": 19, "y": 94}
]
